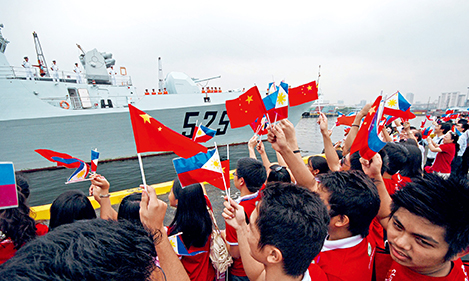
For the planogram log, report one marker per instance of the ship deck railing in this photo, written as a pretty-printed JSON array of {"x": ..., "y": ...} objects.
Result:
[{"x": 13, "y": 72}]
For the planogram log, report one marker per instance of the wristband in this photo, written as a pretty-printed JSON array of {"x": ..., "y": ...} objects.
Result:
[
  {"x": 355, "y": 125},
  {"x": 296, "y": 151},
  {"x": 105, "y": 196}
]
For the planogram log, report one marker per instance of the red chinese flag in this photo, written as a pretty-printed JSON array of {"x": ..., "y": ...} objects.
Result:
[
  {"x": 151, "y": 135},
  {"x": 361, "y": 140},
  {"x": 303, "y": 94},
  {"x": 245, "y": 109}
]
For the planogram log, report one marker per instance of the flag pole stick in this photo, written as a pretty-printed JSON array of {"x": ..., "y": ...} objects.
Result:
[
  {"x": 195, "y": 133},
  {"x": 228, "y": 151},
  {"x": 317, "y": 85},
  {"x": 141, "y": 171},
  {"x": 222, "y": 175}
]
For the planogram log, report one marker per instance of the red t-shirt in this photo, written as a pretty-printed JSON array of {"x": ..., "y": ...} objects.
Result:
[
  {"x": 398, "y": 272},
  {"x": 443, "y": 159},
  {"x": 316, "y": 273},
  {"x": 198, "y": 267},
  {"x": 347, "y": 259},
  {"x": 7, "y": 247},
  {"x": 249, "y": 203}
]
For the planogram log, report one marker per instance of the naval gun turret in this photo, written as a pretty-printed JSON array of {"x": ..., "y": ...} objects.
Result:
[{"x": 96, "y": 64}]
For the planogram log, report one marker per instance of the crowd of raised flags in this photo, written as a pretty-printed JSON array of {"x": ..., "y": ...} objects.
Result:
[{"x": 197, "y": 164}]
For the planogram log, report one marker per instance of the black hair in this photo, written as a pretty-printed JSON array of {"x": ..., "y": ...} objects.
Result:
[
  {"x": 443, "y": 203},
  {"x": 462, "y": 121},
  {"x": 418, "y": 135},
  {"x": 129, "y": 208},
  {"x": 192, "y": 217},
  {"x": 355, "y": 163},
  {"x": 252, "y": 171},
  {"x": 319, "y": 163},
  {"x": 413, "y": 166},
  {"x": 16, "y": 223},
  {"x": 22, "y": 184},
  {"x": 278, "y": 173},
  {"x": 455, "y": 138},
  {"x": 70, "y": 206},
  {"x": 353, "y": 194},
  {"x": 300, "y": 212},
  {"x": 445, "y": 127},
  {"x": 397, "y": 155},
  {"x": 86, "y": 250}
]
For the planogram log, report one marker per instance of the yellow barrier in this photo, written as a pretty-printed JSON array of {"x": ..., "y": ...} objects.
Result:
[{"x": 42, "y": 212}]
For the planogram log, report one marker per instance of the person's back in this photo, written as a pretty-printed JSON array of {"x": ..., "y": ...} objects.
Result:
[
  {"x": 193, "y": 220},
  {"x": 249, "y": 177},
  {"x": 354, "y": 202}
]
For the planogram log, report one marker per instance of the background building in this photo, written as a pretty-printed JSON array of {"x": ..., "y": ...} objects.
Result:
[
  {"x": 410, "y": 97},
  {"x": 452, "y": 99}
]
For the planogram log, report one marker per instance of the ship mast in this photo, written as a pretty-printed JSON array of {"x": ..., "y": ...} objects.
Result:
[
  {"x": 40, "y": 55},
  {"x": 160, "y": 75}
]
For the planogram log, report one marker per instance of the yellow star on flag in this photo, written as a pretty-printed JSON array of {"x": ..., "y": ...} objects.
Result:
[
  {"x": 159, "y": 129},
  {"x": 199, "y": 132},
  {"x": 281, "y": 99},
  {"x": 249, "y": 99},
  {"x": 310, "y": 88},
  {"x": 173, "y": 244},
  {"x": 146, "y": 118},
  {"x": 372, "y": 110},
  {"x": 392, "y": 103}
]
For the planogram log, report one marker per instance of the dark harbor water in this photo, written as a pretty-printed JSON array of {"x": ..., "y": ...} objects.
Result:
[{"x": 48, "y": 184}]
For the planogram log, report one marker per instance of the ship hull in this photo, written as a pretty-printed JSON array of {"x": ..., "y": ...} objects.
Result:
[{"x": 27, "y": 122}]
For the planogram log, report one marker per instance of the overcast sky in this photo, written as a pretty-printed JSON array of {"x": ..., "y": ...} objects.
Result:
[{"x": 363, "y": 46}]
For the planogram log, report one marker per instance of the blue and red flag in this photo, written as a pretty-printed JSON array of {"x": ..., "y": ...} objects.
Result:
[
  {"x": 179, "y": 247},
  {"x": 8, "y": 191},
  {"x": 426, "y": 132},
  {"x": 203, "y": 134},
  {"x": 260, "y": 126},
  {"x": 276, "y": 104},
  {"x": 200, "y": 168},
  {"x": 94, "y": 160},
  {"x": 65, "y": 160},
  {"x": 367, "y": 140},
  {"x": 397, "y": 105}
]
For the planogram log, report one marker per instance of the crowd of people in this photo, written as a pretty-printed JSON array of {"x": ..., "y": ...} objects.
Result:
[{"x": 401, "y": 215}]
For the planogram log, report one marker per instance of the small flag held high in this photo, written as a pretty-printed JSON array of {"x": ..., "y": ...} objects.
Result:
[
  {"x": 203, "y": 134},
  {"x": 245, "y": 109},
  {"x": 303, "y": 94}
]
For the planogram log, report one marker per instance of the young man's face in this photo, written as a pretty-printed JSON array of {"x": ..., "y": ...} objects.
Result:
[
  {"x": 418, "y": 244},
  {"x": 253, "y": 238}
]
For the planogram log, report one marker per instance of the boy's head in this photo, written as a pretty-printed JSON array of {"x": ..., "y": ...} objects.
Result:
[
  {"x": 290, "y": 227},
  {"x": 86, "y": 250},
  {"x": 429, "y": 223},
  {"x": 350, "y": 194},
  {"x": 251, "y": 173}
]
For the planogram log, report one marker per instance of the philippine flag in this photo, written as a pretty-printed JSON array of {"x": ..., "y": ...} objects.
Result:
[
  {"x": 426, "y": 132},
  {"x": 260, "y": 126},
  {"x": 397, "y": 105},
  {"x": 79, "y": 174},
  {"x": 375, "y": 144},
  {"x": 94, "y": 160},
  {"x": 199, "y": 168},
  {"x": 203, "y": 134},
  {"x": 276, "y": 104},
  {"x": 9, "y": 198},
  {"x": 178, "y": 246}
]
